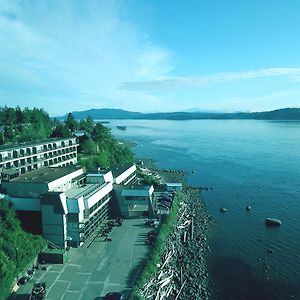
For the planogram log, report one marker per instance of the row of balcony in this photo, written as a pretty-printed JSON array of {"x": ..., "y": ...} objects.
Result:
[
  {"x": 45, "y": 161},
  {"x": 59, "y": 152},
  {"x": 35, "y": 157},
  {"x": 15, "y": 154},
  {"x": 29, "y": 167},
  {"x": 86, "y": 229}
]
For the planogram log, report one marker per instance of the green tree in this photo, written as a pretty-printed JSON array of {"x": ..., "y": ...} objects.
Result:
[
  {"x": 71, "y": 123},
  {"x": 87, "y": 125},
  {"x": 9, "y": 116},
  {"x": 88, "y": 147},
  {"x": 61, "y": 131},
  {"x": 17, "y": 247},
  {"x": 101, "y": 134},
  {"x": 9, "y": 133}
]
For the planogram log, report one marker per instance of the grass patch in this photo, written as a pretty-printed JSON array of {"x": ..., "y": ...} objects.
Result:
[{"x": 150, "y": 266}]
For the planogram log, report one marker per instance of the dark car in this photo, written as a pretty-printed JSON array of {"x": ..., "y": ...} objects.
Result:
[
  {"x": 114, "y": 296},
  {"x": 22, "y": 280}
]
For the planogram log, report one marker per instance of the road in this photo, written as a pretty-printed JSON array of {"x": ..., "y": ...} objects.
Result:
[{"x": 103, "y": 267}]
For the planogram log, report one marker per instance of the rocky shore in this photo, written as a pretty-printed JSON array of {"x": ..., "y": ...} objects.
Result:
[{"x": 182, "y": 273}]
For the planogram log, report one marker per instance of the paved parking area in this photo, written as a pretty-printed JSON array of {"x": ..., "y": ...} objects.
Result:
[{"x": 104, "y": 267}]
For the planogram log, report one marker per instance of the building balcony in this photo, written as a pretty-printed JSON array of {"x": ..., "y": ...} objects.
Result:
[{"x": 66, "y": 148}]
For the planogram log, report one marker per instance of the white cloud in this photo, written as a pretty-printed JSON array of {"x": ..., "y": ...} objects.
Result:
[
  {"x": 202, "y": 81},
  {"x": 76, "y": 51},
  {"x": 154, "y": 62},
  {"x": 75, "y": 55}
]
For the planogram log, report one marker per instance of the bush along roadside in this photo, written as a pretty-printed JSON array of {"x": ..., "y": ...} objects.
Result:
[
  {"x": 151, "y": 265},
  {"x": 176, "y": 268}
]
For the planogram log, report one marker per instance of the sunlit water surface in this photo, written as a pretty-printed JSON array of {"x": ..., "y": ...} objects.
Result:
[{"x": 247, "y": 162}]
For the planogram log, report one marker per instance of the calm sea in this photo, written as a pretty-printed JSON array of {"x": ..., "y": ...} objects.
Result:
[{"x": 246, "y": 162}]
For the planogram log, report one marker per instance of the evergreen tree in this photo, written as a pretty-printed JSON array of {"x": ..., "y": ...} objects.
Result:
[
  {"x": 71, "y": 123},
  {"x": 61, "y": 131}
]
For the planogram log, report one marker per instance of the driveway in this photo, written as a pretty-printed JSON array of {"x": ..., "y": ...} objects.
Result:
[{"x": 104, "y": 267}]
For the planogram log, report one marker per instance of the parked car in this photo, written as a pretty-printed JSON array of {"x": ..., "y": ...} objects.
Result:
[
  {"x": 22, "y": 280},
  {"x": 114, "y": 296},
  {"x": 38, "y": 291}
]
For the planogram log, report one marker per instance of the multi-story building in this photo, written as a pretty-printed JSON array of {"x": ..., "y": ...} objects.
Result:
[
  {"x": 133, "y": 200},
  {"x": 123, "y": 174},
  {"x": 22, "y": 158},
  {"x": 64, "y": 204},
  {"x": 130, "y": 199}
]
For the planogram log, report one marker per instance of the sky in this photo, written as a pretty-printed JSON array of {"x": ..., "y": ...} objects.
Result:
[{"x": 150, "y": 55}]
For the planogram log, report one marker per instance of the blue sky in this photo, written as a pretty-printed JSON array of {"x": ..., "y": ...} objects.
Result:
[{"x": 150, "y": 56}]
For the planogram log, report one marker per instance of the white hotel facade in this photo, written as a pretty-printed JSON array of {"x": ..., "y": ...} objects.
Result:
[
  {"x": 54, "y": 197},
  {"x": 22, "y": 158}
]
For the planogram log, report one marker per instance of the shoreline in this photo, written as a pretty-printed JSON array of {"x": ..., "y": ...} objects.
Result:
[{"x": 184, "y": 275}]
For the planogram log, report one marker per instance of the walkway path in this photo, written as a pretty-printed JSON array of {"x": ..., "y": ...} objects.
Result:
[{"x": 92, "y": 272}]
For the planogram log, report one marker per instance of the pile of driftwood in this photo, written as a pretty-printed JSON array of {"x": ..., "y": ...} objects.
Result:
[{"x": 175, "y": 276}]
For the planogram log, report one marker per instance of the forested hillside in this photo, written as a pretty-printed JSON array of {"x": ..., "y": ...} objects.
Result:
[
  {"x": 97, "y": 147},
  {"x": 17, "y": 247},
  {"x": 102, "y": 114}
]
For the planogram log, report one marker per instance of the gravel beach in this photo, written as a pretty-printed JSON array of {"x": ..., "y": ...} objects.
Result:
[{"x": 187, "y": 247}]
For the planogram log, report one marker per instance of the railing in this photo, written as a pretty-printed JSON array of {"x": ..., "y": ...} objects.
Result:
[
  {"x": 52, "y": 245},
  {"x": 90, "y": 191},
  {"x": 10, "y": 158}
]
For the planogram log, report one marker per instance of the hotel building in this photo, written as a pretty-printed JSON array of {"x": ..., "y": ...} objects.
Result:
[{"x": 22, "y": 158}]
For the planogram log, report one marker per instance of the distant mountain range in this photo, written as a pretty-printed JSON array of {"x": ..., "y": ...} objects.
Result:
[{"x": 103, "y": 114}]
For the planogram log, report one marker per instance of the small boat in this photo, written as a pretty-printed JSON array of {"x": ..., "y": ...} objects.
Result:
[
  {"x": 122, "y": 127},
  {"x": 223, "y": 209},
  {"x": 272, "y": 222},
  {"x": 248, "y": 208}
]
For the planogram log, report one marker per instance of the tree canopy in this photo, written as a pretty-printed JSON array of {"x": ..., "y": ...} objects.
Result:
[
  {"x": 23, "y": 125},
  {"x": 17, "y": 247},
  {"x": 97, "y": 146},
  {"x": 102, "y": 149}
]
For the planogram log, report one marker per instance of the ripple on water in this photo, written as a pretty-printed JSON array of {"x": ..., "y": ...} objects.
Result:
[{"x": 253, "y": 163}]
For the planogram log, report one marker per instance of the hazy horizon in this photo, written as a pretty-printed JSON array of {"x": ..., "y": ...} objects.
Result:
[
  {"x": 186, "y": 110},
  {"x": 150, "y": 56}
]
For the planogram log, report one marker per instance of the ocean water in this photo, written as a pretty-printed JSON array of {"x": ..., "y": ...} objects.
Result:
[{"x": 246, "y": 162}]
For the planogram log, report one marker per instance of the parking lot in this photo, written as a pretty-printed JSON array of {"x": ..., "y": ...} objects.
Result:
[{"x": 103, "y": 267}]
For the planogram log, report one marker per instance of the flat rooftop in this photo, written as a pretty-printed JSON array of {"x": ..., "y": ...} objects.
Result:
[
  {"x": 137, "y": 190},
  {"x": 84, "y": 190},
  {"x": 132, "y": 187},
  {"x": 117, "y": 170},
  {"x": 45, "y": 175}
]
